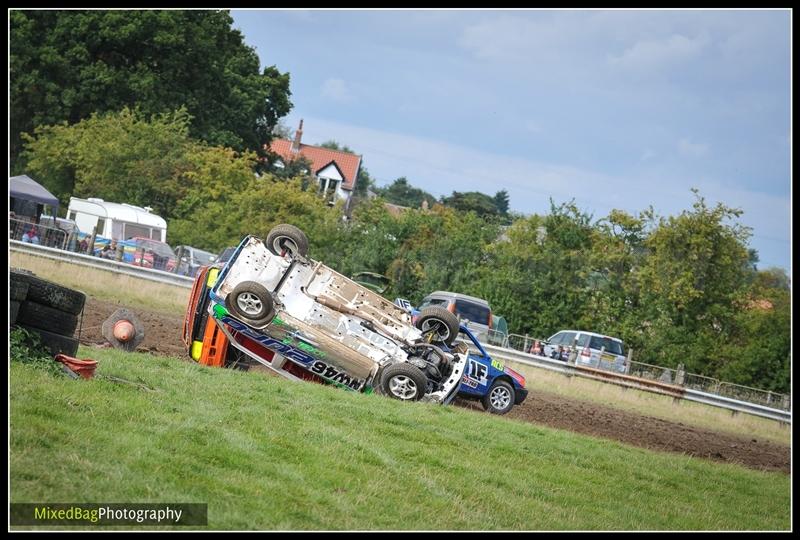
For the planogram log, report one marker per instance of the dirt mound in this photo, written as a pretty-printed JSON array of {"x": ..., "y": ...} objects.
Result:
[
  {"x": 590, "y": 418},
  {"x": 162, "y": 331},
  {"x": 163, "y": 336}
]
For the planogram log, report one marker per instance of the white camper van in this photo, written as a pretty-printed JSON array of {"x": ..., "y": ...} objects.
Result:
[{"x": 116, "y": 221}]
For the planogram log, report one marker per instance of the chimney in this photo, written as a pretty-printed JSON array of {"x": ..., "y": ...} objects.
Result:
[{"x": 297, "y": 136}]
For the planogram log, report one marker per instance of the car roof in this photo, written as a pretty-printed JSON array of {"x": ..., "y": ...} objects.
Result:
[
  {"x": 457, "y": 296},
  {"x": 591, "y": 334}
]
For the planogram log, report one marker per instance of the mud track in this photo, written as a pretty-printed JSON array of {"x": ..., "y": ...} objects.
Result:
[{"x": 163, "y": 337}]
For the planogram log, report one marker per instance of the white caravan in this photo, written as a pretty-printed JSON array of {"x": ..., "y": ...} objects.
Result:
[{"x": 116, "y": 221}]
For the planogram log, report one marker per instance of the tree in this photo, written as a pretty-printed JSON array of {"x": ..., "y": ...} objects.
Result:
[
  {"x": 402, "y": 193},
  {"x": 696, "y": 267},
  {"x": 66, "y": 65},
  {"x": 475, "y": 201},
  {"x": 122, "y": 157},
  {"x": 501, "y": 202},
  {"x": 759, "y": 351}
]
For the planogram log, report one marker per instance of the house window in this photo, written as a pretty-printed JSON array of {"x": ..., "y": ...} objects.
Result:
[{"x": 327, "y": 188}]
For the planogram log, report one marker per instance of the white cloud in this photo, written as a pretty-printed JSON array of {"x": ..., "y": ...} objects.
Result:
[
  {"x": 654, "y": 54},
  {"x": 440, "y": 167},
  {"x": 647, "y": 155},
  {"x": 687, "y": 148},
  {"x": 337, "y": 90}
]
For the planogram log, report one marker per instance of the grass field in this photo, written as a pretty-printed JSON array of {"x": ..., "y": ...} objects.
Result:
[
  {"x": 270, "y": 454},
  {"x": 106, "y": 285}
]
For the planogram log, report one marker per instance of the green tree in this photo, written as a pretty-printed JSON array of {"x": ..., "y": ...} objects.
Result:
[
  {"x": 696, "y": 267},
  {"x": 122, "y": 157},
  {"x": 501, "y": 202},
  {"x": 402, "y": 193},
  {"x": 474, "y": 201},
  {"x": 66, "y": 65},
  {"x": 759, "y": 351}
]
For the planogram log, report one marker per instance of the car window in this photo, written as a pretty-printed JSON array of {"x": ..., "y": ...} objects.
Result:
[
  {"x": 556, "y": 339},
  {"x": 567, "y": 338},
  {"x": 610, "y": 345},
  {"x": 203, "y": 257},
  {"x": 583, "y": 340},
  {"x": 472, "y": 311},
  {"x": 159, "y": 248},
  {"x": 432, "y": 302}
]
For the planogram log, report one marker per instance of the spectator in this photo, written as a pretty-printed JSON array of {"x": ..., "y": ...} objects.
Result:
[
  {"x": 84, "y": 246},
  {"x": 107, "y": 252},
  {"x": 31, "y": 236},
  {"x": 112, "y": 253}
]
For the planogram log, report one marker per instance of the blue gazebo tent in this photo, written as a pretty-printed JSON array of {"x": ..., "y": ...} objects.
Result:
[{"x": 24, "y": 190}]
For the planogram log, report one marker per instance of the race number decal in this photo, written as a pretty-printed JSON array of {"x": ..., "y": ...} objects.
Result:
[{"x": 477, "y": 372}]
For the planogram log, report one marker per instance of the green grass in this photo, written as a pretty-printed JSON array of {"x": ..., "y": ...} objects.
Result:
[{"x": 270, "y": 454}]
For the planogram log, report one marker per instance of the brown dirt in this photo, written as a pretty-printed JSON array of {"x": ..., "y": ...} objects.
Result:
[
  {"x": 163, "y": 337},
  {"x": 162, "y": 331},
  {"x": 597, "y": 420}
]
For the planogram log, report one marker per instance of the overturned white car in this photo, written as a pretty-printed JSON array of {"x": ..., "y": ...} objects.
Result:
[{"x": 312, "y": 318}]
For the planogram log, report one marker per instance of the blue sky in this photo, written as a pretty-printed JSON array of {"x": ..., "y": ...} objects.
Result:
[{"x": 615, "y": 109}]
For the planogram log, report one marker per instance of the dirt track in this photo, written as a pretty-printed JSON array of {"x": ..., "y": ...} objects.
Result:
[{"x": 163, "y": 337}]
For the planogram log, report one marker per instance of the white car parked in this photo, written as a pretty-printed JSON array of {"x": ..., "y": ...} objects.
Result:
[{"x": 592, "y": 350}]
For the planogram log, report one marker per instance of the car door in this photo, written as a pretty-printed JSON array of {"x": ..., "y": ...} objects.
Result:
[{"x": 481, "y": 370}]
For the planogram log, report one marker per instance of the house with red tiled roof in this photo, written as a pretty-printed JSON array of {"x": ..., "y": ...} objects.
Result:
[{"x": 336, "y": 171}]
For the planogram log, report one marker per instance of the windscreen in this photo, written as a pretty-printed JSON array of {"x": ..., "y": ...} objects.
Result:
[
  {"x": 472, "y": 312},
  {"x": 159, "y": 248},
  {"x": 203, "y": 258},
  {"x": 612, "y": 346}
]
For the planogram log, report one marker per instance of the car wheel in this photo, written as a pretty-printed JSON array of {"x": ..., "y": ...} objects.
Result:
[
  {"x": 500, "y": 398},
  {"x": 287, "y": 239},
  {"x": 251, "y": 302},
  {"x": 439, "y": 324},
  {"x": 403, "y": 381}
]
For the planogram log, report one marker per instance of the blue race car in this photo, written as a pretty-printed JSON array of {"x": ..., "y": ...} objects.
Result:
[{"x": 497, "y": 386}]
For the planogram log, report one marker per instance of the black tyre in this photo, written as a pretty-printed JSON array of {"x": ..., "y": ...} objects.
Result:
[
  {"x": 47, "y": 318},
  {"x": 251, "y": 302},
  {"x": 56, "y": 343},
  {"x": 438, "y": 325},
  {"x": 51, "y": 294},
  {"x": 287, "y": 239},
  {"x": 18, "y": 289},
  {"x": 500, "y": 398},
  {"x": 13, "y": 310},
  {"x": 403, "y": 381}
]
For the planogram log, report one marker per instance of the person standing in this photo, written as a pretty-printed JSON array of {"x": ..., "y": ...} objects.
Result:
[{"x": 31, "y": 236}]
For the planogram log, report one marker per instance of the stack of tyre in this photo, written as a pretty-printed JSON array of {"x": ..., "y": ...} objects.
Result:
[{"x": 47, "y": 309}]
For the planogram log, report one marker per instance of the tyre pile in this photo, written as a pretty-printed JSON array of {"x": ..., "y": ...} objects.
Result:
[{"x": 47, "y": 309}]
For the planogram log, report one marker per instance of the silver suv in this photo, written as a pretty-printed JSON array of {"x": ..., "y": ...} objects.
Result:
[
  {"x": 474, "y": 313},
  {"x": 592, "y": 350}
]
